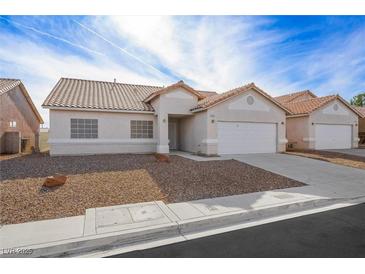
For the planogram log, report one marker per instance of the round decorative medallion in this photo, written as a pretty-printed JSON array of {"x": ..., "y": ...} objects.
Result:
[
  {"x": 335, "y": 107},
  {"x": 250, "y": 100}
]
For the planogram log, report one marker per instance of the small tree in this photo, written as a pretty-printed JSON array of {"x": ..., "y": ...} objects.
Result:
[{"x": 358, "y": 100}]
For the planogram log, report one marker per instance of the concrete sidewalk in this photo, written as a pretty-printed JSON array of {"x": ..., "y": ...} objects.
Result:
[{"x": 127, "y": 225}]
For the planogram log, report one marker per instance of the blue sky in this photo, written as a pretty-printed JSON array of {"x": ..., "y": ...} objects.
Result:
[{"x": 281, "y": 54}]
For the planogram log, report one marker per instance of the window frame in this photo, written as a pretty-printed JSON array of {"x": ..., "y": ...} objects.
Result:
[
  {"x": 12, "y": 123},
  {"x": 141, "y": 129},
  {"x": 84, "y": 128}
]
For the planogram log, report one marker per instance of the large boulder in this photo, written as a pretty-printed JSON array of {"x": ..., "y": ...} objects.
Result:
[
  {"x": 55, "y": 181},
  {"x": 163, "y": 158}
]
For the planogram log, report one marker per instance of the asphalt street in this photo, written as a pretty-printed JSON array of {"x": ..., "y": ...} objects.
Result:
[{"x": 335, "y": 233}]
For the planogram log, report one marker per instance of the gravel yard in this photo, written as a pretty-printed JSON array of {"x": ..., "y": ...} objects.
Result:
[{"x": 105, "y": 180}]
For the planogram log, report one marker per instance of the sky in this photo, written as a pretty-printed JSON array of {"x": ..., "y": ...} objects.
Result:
[{"x": 280, "y": 54}]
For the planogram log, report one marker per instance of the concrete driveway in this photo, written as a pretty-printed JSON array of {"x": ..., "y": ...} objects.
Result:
[
  {"x": 351, "y": 151},
  {"x": 323, "y": 178}
]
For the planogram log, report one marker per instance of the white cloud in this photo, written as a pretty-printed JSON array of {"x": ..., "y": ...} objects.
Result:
[
  {"x": 213, "y": 53},
  {"x": 219, "y": 53},
  {"x": 40, "y": 68}
]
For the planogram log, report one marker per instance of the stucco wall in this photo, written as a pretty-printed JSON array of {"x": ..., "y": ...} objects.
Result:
[
  {"x": 237, "y": 109},
  {"x": 327, "y": 115},
  {"x": 193, "y": 132},
  {"x": 113, "y": 133},
  {"x": 174, "y": 102},
  {"x": 15, "y": 107},
  {"x": 297, "y": 132}
]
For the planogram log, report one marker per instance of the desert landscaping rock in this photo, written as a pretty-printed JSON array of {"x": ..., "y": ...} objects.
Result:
[
  {"x": 106, "y": 180},
  {"x": 53, "y": 181}
]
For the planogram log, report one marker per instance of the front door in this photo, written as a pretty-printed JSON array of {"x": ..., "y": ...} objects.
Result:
[{"x": 172, "y": 135}]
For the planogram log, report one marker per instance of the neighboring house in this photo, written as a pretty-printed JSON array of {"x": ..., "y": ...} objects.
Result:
[
  {"x": 91, "y": 117},
  {"x": 19, "y": 118},
  {"x": 327, "y": 122},
  {"x": 361, "y": 126}
]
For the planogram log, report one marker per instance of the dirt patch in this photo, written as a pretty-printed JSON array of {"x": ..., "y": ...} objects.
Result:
[
  {"x": 105, "y": 180},
  {"x": 332, "y": 157}
]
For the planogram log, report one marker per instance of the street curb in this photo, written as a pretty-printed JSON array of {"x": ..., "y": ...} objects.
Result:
[{"x": 175, "y": 229}]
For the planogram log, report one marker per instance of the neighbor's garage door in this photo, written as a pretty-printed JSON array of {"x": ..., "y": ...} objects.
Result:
[
  {"x": 332, "y": 136},
  {"x": 241, "y": 138}
]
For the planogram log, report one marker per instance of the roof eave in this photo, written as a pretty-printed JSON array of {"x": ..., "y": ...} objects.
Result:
[
  {"x": 297, "y": 115},
  {"x": 350, "y": 106},
  {"x": 168, "y": 88},
  {"x": 29, "y": 99},
  {"x": 250, "y": 86},
  {"x": 97, "y": 109}
]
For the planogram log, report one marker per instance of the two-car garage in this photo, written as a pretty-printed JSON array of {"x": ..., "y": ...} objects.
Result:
[
  {"x": 330, "y": 136},
  {"x": 244, "y": 137}
]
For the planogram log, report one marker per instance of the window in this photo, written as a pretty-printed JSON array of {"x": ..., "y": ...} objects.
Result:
[
  {"x": 12, "y": 124},
  {"x": 84, "y": 128},
  {"x": 141, "y": 129}
]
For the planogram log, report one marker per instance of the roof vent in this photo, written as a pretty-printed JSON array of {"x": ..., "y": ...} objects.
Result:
[{"x": 115, "y": 80}]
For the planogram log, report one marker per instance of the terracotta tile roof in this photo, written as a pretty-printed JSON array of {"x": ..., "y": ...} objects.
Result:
[
  {"x": 173, "y": 86},
  {"x": 88, "y": 94},
  {"x": 307, "y": 106},
  {"x": 292, "y": 96},
  {"x": 207, "y": 93},
  {"x": 218, "y": 98},
  {"x": 8, "y": 84},
  {"x": 361, "y": 110}
]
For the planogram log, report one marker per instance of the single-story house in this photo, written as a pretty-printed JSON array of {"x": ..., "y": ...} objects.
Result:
[
  {"x": 91, "y": 117},
  {"x": 19, "y": 118},
  {"x": 327, "y": 122},
  {"x": 361, "y": 126}
]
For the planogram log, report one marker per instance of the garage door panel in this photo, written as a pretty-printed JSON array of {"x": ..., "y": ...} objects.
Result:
[
  {"x": 333, "y": 136},
  {"x": 242, "y": 138}
]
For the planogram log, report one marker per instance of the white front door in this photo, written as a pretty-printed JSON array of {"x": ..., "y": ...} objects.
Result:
[
  {"x": 332, "y": 136},
  {"x": 243, "y": 137},
  {"x": 172, "y": 135}
]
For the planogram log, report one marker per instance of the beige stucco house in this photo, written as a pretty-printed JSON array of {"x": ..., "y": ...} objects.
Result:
[
  {"x": 91, "y": 117},
  {"x": 327, "y": 122},
  {"x": 19, "y": 118}
]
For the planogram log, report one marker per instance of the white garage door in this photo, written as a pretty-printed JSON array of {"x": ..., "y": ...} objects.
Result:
[
  {"x": 332, "y": 136},
  {"x": 241, "y": 138}
]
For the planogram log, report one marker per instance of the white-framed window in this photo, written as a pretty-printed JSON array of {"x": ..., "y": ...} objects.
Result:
[
  {"x": 141, "y": 129},
  {"x": 84, "y": 128},
  {"x": 12, "y": 124}
]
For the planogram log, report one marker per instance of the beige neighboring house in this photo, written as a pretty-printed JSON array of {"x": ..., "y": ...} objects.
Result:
[
  {"x": 92, "y": 117},
  {"x": 19, "y": 118},
  {"x": 327, "y": 122},
  {"x": 361, "y": 126}
]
